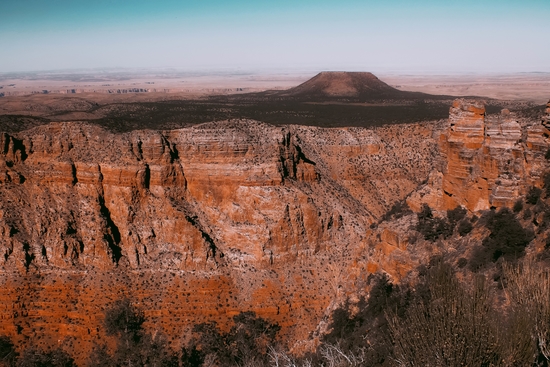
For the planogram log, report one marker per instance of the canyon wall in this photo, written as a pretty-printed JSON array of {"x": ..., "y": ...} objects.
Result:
[
  {"x": 194, "y": 225},
  {"x": 484, "y": 162},
  {"x": 201, "y": 223}
]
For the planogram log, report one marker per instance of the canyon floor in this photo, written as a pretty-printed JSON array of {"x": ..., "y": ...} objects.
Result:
[{"x": 200, "y": 197}]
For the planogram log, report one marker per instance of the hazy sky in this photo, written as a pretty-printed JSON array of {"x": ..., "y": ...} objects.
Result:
[{"x": 422, "y": 35}]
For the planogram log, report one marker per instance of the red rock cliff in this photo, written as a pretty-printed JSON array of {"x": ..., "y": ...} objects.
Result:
[
  {"x": 194, "y": 224},
  {"x": 488, "y": 161}
]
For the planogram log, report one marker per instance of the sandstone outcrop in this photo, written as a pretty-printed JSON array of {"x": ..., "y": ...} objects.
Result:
[
  {"x": 487, "y": 161},
  {"x": 546, "y": 119},
  {"x": 193, "y": 224}
]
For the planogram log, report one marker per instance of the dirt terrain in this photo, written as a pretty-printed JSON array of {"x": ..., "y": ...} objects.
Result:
[{"x": 533, "y": 87}]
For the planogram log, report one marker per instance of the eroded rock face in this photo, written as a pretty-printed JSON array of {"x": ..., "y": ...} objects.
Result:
[
  {"x": 486, "y": 161},
  {"x": 546, "y": 119},
  {"x": 489, "y": 162},
  {"x": 193, "y": 224}
]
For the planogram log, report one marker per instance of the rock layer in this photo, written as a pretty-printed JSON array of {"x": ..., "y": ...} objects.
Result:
[
  {"x": 488, "y": 161},
  {"x": 193, "y": 224}
]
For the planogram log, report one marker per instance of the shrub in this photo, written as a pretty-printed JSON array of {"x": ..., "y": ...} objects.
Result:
[
  {"x": 518, "y": 206},
  {"x": 327, "y": 355},
  {"x": 464, "y": 227},
  {"x": 458, "y": 327},
  {"x": 546, "y": 183},
  {"x": 462, "y": 262},
  {"x": 246, "y": 342},
  {"x": 456, "y": 214},
  {"x": 99, "y": 357},
  {"x": 7, "y": 352},
  {"x": 135, "y": 347},
  {"x": 123, "y": 319},
  {"x": 533, "y": 195},
  {"x": 425, "y": 213},
  {"x": 479, "y": 258},
  {"x": 432, "y": 228},
  {"x": 154, "y": 351},
  {"x": 507, "y": 239},
  {"x": 191, "y": 357},
  {"x": 37, "y": 358},
  {"x": 398, "y": 210}
]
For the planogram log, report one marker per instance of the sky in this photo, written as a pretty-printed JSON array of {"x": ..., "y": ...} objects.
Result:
[{"x": 360, "y": 35}]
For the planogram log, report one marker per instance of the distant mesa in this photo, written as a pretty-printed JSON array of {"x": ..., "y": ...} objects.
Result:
[
  {"x": 347, "y": 85},
  {"x": 342, "y": 84}
]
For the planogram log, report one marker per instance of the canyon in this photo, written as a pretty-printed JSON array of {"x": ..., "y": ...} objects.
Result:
[
  {"x": 193, "y": 224},
  {"x": 199, "y": 223}
]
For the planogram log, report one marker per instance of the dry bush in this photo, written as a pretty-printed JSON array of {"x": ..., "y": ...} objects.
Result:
[
  {"x": 459, "y": 327},
  {"x": 507, "y": 239},
  {"x": 279, "y": 358},
  {"x": 528, "y": 286},
  {"x": 533, "y": 195},
  {"x": 331, "y": 355},
  {"x": 245, "y": 344},
  {"x": 8, "y": 354},
  {"x": 38, "y": 358},
  {"x": 334, "y": 356},
  {"x": 432, "y": 228},
  {"x": 456, "y": 215}
]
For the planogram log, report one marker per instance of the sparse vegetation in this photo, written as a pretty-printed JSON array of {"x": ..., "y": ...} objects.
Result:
[
  {"x": 441, "y": 321},
  {"x": 464, "y": 227},
  {"x": 507, "y": 239},
  {"x": 518, "y": 206},
  {"x": 8, "y": 354},
  {"x": 458, "y": 326},
  {"x": 398, "y": 210},
  {"x": 353, "y": 325},
  {"x": 533, "y": 195},
  {"x": 246, "y": 343},
  {"x": 432, "y": 227},
  {"x": 455, "y": 215},
  {"x": 37, "y": 358}
]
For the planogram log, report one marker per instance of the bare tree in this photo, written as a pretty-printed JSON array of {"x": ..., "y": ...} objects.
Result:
[
  {"x": 528, "y": 287},
  {"x": 458, "y": 327},
  {"x": 8, "y": 355}
]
